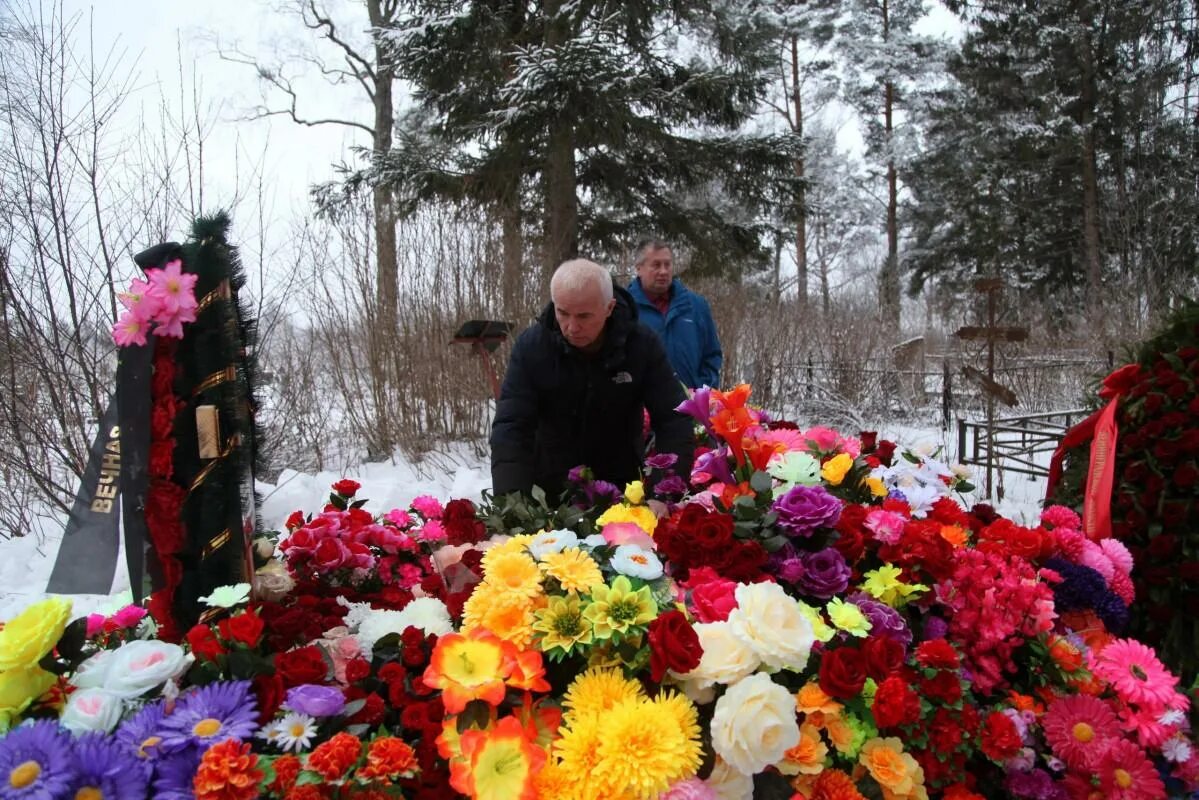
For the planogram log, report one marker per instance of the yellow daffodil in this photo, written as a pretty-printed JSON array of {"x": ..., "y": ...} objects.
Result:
[
  {"x": 820, "y": 629},
  {"x": 883, "y": 584}
]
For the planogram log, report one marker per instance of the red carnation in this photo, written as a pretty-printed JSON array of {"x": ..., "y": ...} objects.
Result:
[
  {"x": 673, "y": 645},
  {"x": 937, "y": 654},
  {"x": 1000, "y": 739},
  {"x": 461, "y": 524},
  {"x": 895, "y": 704},
  {"x": 944, "y": 687},
  {"x": 357, "y": 669},
  {"x": 346, "y": 487},
  {"x": 1186, "y": 475},
  {"x": 333, "y": 758},
  {"x": 945, "y": 731}
]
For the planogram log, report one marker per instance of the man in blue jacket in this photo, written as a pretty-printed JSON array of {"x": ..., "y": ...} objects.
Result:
[{"x": 680, "y": 317}]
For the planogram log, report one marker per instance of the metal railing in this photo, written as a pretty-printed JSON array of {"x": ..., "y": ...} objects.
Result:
[{"x": 1015, "y": 441}]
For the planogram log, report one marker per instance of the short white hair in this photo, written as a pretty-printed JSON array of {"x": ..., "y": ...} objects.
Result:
[{"x": 580, "y": 274}]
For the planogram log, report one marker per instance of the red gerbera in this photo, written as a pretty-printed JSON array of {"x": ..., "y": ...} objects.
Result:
[
  {"x": 1125, "y": 773},
  {"x": 1078, "y": 729}
]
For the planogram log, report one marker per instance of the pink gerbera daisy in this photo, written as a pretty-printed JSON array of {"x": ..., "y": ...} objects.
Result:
[
  {"x": 1125, "y": 773},
  {"x": 1135, "y": 673},
  {"x": 1150, "y": 725},
  {"x": 1079, "y": 729}
]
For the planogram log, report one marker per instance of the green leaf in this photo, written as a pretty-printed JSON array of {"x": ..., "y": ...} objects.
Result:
[
  {"x": 538, "y": 494},
  {"x": 337, "y": 501},
  {"x": 761, "y": 482},
  {"x": 353, "y": 707},
  {"x": 309, "y": 778},
  {"x": 477, "y": 714}
]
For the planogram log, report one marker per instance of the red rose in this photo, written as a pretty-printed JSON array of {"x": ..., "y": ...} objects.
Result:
[
  {"x": 937, "y": 654},
  {"x": 882, "y": 656},
  {"x": 895, "y": 704},
  {"x": 885, "y": 451},
  {"x": 346, "y": 487},
  {"x": 673, "y": 645},
  {"x": 842, "y": 673},
  {"x": 203, "y": 643},
  {"x": 1000, "y": 739},
  {"x": 712, "y": 600},
  {"x": 869, "y": 440},
  {"x": 294, "y": 521},
  {"x": 303, "y": 665},
  {"x": 245, "y": 628}
]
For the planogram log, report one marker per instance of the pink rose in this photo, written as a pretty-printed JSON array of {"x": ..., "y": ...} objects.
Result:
[
  {"x": 95, "y": 622},
  {"x": 712, "y": 597},
  {"x": 330, "y": 554},
  {"x": 618, "y": 533},
  {"x": 129, "y": 616}
]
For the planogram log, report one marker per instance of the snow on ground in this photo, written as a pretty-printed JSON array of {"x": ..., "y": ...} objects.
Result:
[{"x": 26, "y": 562}]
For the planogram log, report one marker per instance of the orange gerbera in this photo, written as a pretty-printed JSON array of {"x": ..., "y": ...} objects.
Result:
[
  {"x": 470, "y": 667},
  {"x": 334, "y": 758},
  {"x": 498, "y": 764},
  {"x": 388, "y": 757},
  {"x": 227, "y": 771}
]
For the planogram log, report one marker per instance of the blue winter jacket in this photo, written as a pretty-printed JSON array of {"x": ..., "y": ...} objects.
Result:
[{"x": 687, "y": 331}]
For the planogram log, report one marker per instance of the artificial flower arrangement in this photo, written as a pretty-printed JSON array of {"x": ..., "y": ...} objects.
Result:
[
  {"x": 160, "y": 305},
  {"x": 812, "y": 616}
]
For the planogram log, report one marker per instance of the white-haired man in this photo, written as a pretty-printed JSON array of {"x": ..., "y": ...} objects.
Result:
[{"x": 576, "y": 384}]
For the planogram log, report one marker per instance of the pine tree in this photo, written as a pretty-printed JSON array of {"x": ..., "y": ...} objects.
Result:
[{"x": 608, "y": 120}]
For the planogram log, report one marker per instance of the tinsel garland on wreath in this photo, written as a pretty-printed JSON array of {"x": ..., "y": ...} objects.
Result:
[{"x": 200, "y": 510}]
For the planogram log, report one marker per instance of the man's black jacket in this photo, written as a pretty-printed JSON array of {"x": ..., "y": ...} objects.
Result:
[{"x": 560, "y": 408}]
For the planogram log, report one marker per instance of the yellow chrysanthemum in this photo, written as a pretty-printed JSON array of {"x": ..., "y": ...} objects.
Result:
[
  {"x": 553, "y": 783},
  {"x": 884, "y": 585},
  {"x": 634, "y": 492},
  {"x": 642, "y": 751},
  {"x": 835, "y": 468},
  {"x": 575, "y": 570},
  {"x": 679, "y": 708},
  {"x": 509, "y": 617},
  {"x": 641, "y": 516},
  {"x": 598, "y": 690},
  {"x": 514, "y": 573},
  {"x": 578, "y": 748},
  {"x": 617, "y": 608},
  {"x": 28, "y": 636},
  {"x": 561, "y": 624},
  {"x": 515, "y": 544},
  {"x": 848, "y": 617}
]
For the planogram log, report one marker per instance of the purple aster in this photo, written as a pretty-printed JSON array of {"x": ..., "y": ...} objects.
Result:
[
  {"x": 805, "y": 508},
  {"x": 36, "y": 762},
  {"x": 315, "y": 700},
  {"x": 176, "y": 775},
  {"x": 884, "y": 620},
  {"x": 661, "y": 461},
  {"x": 141, "y": 735},
  {"x": 603, "y": 492},
  {"x": 212, "y": 713},
  {"x": 104, "y": 766},
  {"x": 895, "y": 494},
  {"x": 825, "y": 573},
  {"x": 935, "y": 628}
]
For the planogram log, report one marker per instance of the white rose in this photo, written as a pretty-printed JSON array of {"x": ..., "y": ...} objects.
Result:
[
  {"x": 139, "y": 666},
  {"x": 728, "y": 783},
  {"x": 726, "y": 658},
  {"x": 754, "y": 724},
  {"x": 93, "y": 672},
  {"x": 92, "y": 710},
  {"x": 773, "y": 625}
]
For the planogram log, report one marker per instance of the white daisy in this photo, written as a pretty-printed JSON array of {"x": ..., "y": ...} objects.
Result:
[
  {"x": 228, "y": 596},
  {"x": 1177, "y": 749},
  {"x": 295, "y": 732}
]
